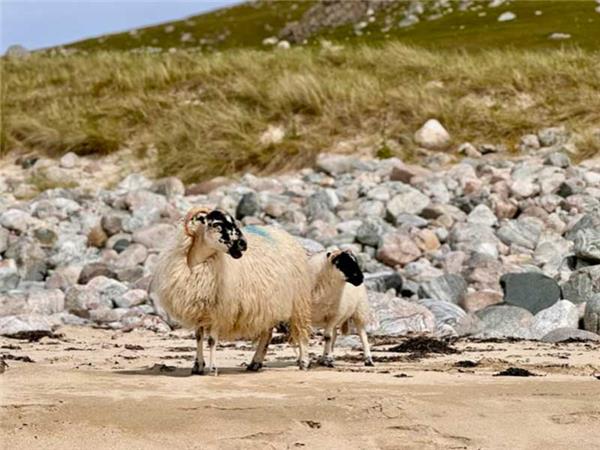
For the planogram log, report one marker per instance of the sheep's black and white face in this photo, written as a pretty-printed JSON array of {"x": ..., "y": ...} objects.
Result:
[
  {"x": 220, "y": 232},
  {"x": 346, "y": 263}
]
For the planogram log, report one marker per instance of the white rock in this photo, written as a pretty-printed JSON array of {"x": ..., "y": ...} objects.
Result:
[
  {"x": 69, "y": 160},
  {"x": 284, "y": 45},
  {"x": 432, "y": 135},
  {"x": 15, "y": 219},
  {"x": 496, "y": 3},
  {"x": 272, "y": 40},
  {"x": 563, "y": 314},
  {"x": 507, "y": 16},
  {"x": 559, "y": 36},
  {"x": 273, "y": 135}
]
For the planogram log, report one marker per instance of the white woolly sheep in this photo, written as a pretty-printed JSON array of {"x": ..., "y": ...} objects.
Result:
[
  {"x": 338, "y": 298},
  {"x": 235, "y": 284}
]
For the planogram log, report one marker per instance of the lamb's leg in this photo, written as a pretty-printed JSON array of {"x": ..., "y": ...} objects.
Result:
[
  {"x": 303, "y": 361},
  {"x": 327, "y": 358},
  {"x": 261, "y": 351},
  {"x": 213, "y": 338},
  {"x": 365, "y": 343},
  {"x": 198, "y": 368}
]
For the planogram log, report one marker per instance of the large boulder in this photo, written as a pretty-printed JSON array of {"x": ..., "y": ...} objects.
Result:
[
  {"x": 9, "y": 275},
  {"x": 501, "y": 321},
  {"x": 591, "y": 318},
  {"x": 432, "y": 135},
  {"x": 570, "y": 334},
  {"x": 563, "y": 314},
  {"x": 15, "y": 325},
  {"x": 530, "y": 290},
  {"x": 393, "y": 316},
  {"x": 155, "y": 236},
  {"x": 582, "y": 285},
  {"x": 448, "y": 288}
]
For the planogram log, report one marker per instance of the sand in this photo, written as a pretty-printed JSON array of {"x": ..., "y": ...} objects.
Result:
[{"x": 97, "y": 389}]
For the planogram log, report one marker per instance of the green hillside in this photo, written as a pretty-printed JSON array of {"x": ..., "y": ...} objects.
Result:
[{"x": 476, "y": 27}]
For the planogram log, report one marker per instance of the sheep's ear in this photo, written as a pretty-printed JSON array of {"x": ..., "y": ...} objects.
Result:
[{"x": 328, "y": 254}]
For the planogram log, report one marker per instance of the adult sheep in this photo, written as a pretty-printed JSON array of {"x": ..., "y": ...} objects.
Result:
[
  {"x": 339, "y": 297},
  {"x": 235, "y": 284}
]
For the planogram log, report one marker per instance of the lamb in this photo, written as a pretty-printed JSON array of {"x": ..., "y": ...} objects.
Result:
[
  {"x": 338, "y": 298},
  {"x": 235, "y": 284}
]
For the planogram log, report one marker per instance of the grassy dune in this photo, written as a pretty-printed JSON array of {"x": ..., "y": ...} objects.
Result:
[{"x": 205, "y": 113}]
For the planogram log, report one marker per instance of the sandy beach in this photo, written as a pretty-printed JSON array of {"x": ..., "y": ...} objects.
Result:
[{"x": 103, "y": 389}]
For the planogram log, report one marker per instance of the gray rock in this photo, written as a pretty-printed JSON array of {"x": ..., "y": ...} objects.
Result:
[
  {"x": 501, "y": 321},
  {"x": 475, "y": 238},
  {"x": 93, "y": 270},
  {"x": 44, "y": 302},
  {"x": 582, "y": 285},
  {"x": 9, "y": 275},
  {"x": 383, "y": 281},
  {"x": 563, "y": 314},
  {"x": 16, "y": 220},
  {"x": 112, "y": 223},
  {"x": 134, "y": 182},
  {"x": 392, "y": 316},
  {"x": 530, "y": 290},
  {"x": 334, "y": 164},
  {"x": 588, "y": 221},
  {"x": 524, "y": 232},
  {"x": 591, "y": 317},
  {"x": 444, "y": 312},
  {"x": 169, "y": 187},
  {"x": 132, "y": 298},
  {"x": 483, "y": 215},
  {"x": 130, "y": 274},
  {"x": 311, "y": 246},
  {"x": 587, "y": 245},
  {"x": 570, "y": 334},
  {"x": 558, "y": 159},
  {"x": 107, "y": 315},
  {"x": 3, "y": 239},
  {"x": 409, "y": 201},
  {"x": 248, "y": 206},
  {"x": 319, "y": 207},
  {"x": 370, "y": 231},
  {"x": 133, "y": 255},
  {"x": 155, "y": 236},
  {"x": 69, "y": 160},
  {"x": 552, "y": 136},
  {"x": 13, "y": 325},
  {"x": 448, "y": 288}
]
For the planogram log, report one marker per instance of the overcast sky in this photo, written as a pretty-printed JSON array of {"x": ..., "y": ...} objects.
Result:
[{"x": 38, "y": 24}]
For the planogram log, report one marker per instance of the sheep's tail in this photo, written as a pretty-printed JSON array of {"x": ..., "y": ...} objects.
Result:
[{"x": 300, "y": 322}]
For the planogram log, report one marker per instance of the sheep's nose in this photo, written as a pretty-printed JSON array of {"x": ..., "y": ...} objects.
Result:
[{"x": 242, "y": 245}]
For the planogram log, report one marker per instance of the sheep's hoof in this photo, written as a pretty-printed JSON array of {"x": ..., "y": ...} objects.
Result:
[
  {"x": 254, "y": 366},
  {"x": 213, "y": 371},
  {"x": 303, "y": 365},
  {"x": 197, "y": 370},
  {"x": 369, "y": 362},
  {"x": 326, "y": 361}
]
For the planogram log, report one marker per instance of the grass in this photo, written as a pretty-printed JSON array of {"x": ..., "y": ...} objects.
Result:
[
  {"x": 205, "y": 113},
  {"x": 247, "y": 24}
]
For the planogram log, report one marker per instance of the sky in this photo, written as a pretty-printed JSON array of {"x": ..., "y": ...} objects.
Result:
[{"x": 38, "y": 24}]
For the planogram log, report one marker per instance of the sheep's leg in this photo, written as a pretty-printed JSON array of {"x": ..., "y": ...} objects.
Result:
[
  {"x": 327, "y": 358},
  {"x": 261, "y": 351},
  {"x": 365, "y": 343},
  {"x": 333, "y": 339},
  {"x": 303, "y": 361},
  {"x": 213, "y": 338},
  {"x": 198, "y": 368}
]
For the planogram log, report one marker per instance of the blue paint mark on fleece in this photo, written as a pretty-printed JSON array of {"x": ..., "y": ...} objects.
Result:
[{"x": 259, "y": 231}]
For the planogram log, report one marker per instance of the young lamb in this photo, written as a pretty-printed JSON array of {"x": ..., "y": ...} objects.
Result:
[
  {"x": 338, "y": 298},
  {"x": 235, "y": 284}
]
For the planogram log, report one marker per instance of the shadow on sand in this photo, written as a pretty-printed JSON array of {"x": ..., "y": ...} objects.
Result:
[{"x": 172, "y": 371}]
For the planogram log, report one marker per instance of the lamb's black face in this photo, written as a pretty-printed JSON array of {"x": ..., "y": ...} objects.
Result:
[
  {"x": 222, "y": 229},
  {"x": 348, "y": 265}
]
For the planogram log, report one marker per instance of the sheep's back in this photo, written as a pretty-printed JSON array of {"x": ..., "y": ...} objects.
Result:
[{"x": 265, "y": 285}]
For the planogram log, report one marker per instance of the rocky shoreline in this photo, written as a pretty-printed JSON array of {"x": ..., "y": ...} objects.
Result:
[{"x": 486, "y": 247}]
